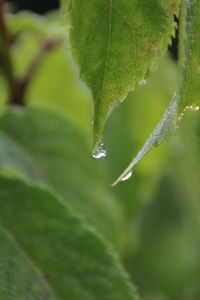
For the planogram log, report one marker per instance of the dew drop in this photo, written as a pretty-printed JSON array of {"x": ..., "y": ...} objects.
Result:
[
  {"x": 127, "y": 176},
  {"x": 100, "y": 151}
]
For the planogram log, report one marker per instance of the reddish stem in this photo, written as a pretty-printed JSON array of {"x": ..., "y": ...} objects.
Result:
[
  {"x": 23, "y": 83},
  {"x": 5, "y": 55},
  {"x": 18, "y": 87}
]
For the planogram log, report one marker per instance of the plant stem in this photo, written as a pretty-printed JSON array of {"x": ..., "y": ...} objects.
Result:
[
  {"x": 5, "y": 55},
  {"x": 18, "y": 86},
  {"x": 2, "y": 24},
  {"x": 24, "y": 82}
]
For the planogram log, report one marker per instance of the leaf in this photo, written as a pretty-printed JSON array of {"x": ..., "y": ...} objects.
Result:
[
  {"x": 149, "y": 101},
  {"x": 46, "y": 26},
  {"x": 115, "y": 43},
  {"x": 188, "y": 96},
  {"x": 189, "y": 54},
  {"x": 63, "y": 89},
  {"x": 47, "y": 149},
  {"x": 19, "y": 278},
  {"x": 27, "y": 21},
  {"x": 48, "y": 253},
  {"x": 167, "y": 233},
  {"x": 165, "y": 128},
  {"x": 64, "y": 4},
  {"x": 172, "y": 6}
]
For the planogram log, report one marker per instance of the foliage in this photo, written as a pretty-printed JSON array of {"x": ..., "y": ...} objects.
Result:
[
  {"x": 65, "y": 233},
  {"x": 112, "y": 68}
]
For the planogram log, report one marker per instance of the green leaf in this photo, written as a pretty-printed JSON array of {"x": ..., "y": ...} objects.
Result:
[
  {"x": 140, "y": 113},
  {"x": 45, "y": 148},
  {"x": 115, "y": 44},
  {"x": 189, "y": 54},
  {"x": 188, "y": 96},
  {"x": 172, "y": 6},
  {"x": 27, "y": 21},
  {"x": 165, "y": 129},
  {"x": 64, "y": 4},
  {"x": 167, "y": 233},
  {"x": 20, "y": 279},
  {"x": 62, "y": 89},
  {"x": 46, "y": 26},
  {"x": 48, "y": 253}
]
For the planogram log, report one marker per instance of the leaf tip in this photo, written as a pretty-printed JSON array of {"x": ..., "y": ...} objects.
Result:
[{"x": 124, "y": 177}]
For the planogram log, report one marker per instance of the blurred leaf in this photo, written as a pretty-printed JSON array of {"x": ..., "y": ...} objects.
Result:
[
  {"x": 189, "y": 54},
  {"x": 59, "y": 87},
  {"x": 115, "y": 45},
  {"x": 62, "y": 89},
  {"x": 47, "y": 252},
  {"x": 168, "y": 245},
  {"x": 47, "y": 149},
  {"x": 64, "y": 4},
  {"x": 49, "y": 25},
  {"x": 26, "y": 21}
]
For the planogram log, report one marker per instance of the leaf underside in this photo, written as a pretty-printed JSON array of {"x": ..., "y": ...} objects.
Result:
[
  {"x": 189, "y": 54},
  {"x": 50, "y": 156},
  {"x": 189, "y": 88},
  {"x": 115, "y": 43},
  {"x": 48, "y": 253},
  {"x": 164, "y": 130}
]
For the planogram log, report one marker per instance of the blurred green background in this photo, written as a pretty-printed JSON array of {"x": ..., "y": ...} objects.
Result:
[{"x": 155, "y": 214}]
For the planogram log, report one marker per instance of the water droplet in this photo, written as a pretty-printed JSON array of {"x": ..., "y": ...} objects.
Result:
[
  {"x": 127, "y": 176},
  {"x": 100, "y": 151}
]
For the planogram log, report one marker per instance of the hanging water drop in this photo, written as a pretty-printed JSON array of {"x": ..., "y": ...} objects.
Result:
[
  {"x": 100, "y": 151},
  {"x": 127, "y": 176}
]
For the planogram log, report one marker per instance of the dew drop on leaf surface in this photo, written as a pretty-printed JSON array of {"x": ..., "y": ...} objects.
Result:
[{"x": 127, "y": 176}]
